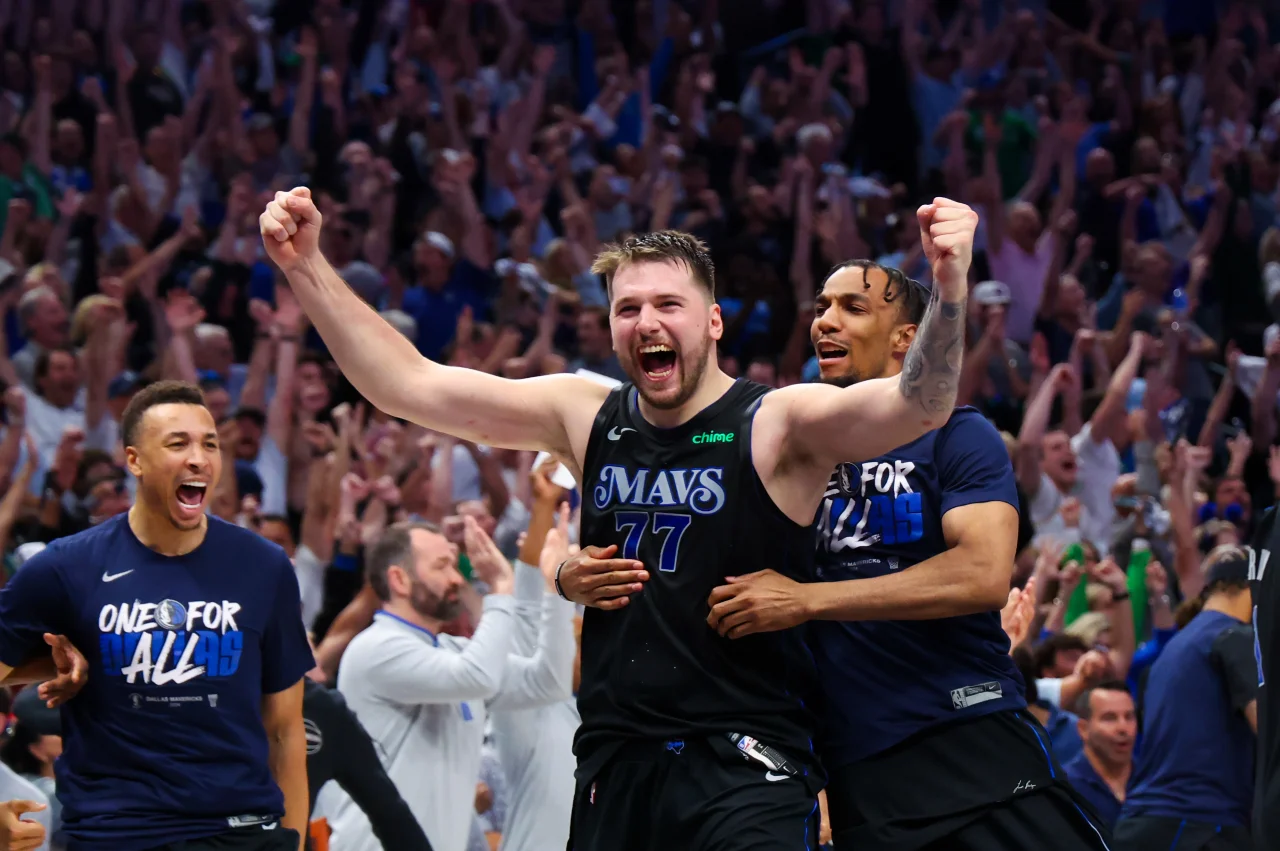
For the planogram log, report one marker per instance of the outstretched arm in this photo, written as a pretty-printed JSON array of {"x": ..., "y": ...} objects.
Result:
[
  {"x": 825, "y": 425},
  {"x": 552, "y": 413}
]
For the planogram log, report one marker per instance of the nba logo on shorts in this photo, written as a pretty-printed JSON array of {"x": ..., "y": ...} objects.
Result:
[{"x": 746, "y": 743}]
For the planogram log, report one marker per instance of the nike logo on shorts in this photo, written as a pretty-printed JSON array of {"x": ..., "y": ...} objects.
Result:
[{"x": 774, "y": 778}]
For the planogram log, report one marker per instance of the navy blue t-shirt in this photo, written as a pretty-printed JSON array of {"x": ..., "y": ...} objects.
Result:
[
  {"x": 165, "y": 742},
  {"x": 1197, "y": 748},
  {"x": 437, "y": 312},
  {"x": 886, "y": 680},
  {"x": 1086, "y": 780}
]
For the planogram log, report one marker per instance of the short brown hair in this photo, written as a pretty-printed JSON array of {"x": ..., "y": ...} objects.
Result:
[
  {"x": 394, "y": 548},
  {"x": 153, "y": 395},
  {"x": 664, "y": 246}
]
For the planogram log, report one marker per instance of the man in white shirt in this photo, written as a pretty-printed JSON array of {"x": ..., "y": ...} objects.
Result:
[
  {"x": 46, "y": 323},
  {"x": 422, "y": 696},
  {"x": 1054, "y": 465}
]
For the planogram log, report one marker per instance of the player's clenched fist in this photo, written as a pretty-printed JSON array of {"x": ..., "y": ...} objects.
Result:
[
  {"x": 291, "y": 228},
  {"x": 946, "y": 233},
  {"x": 594, "y": 579},
  {"x": 16, "y": 834}
]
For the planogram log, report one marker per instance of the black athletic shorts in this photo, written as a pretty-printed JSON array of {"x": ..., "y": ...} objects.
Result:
[
  {"x": 1139, "y": 833},
  {"x": 250, "y": 838},
  {"x": 989, "y": 784},
  {"x": 701, "y": 795}
]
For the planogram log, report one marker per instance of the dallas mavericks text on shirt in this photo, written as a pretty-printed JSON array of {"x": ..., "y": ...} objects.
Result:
[
  {"x": 169, "y": 641},
  {"x": 868, "y": 504},
  {"x": 699, "y": 490}
]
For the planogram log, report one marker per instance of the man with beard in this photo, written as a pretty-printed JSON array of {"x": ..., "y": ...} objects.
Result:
[
  {"x": 927, "y": 739},
  {"x": 424, "y": 696},
  {"x": 686, "y": 740}
]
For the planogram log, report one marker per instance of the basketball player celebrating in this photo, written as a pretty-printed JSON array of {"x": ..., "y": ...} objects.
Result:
[
  {"x": 926, "y": 738},
  {"x": 189, "y": 731},
  {"x": 687, "y": 739}
]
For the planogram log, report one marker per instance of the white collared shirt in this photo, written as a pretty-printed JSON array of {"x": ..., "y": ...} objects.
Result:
[{"x": 422, "y": 698}]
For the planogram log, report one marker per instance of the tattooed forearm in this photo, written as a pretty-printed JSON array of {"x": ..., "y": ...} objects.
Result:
[{"x": 931, "y": 370}]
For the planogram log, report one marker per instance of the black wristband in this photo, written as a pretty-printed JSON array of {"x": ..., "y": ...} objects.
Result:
[{"x": 559, "y": 589}]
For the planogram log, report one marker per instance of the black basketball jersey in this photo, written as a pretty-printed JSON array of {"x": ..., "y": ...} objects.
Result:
[
  {"x": 1265, "y": 583},
  {"x": 688, "y": 503}
]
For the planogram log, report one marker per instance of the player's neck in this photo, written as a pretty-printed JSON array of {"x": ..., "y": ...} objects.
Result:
[
  {"x": 157, "y": 532},
  {"x": 715, "y": 383}
]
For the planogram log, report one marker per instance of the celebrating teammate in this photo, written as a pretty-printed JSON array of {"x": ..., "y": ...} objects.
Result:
[
  {"x": 927, "y": 739},
  {"x": 189, "y": 731},
  {"x": 687, "y": 740}
]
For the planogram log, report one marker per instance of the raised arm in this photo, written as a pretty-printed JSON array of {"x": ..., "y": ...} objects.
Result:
[
  {"x": 553, "y": 412},
  {"x": 825, "y": 425}
]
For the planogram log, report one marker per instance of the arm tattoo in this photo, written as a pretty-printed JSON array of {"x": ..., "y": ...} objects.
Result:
[{"x": 931, "y": 370}]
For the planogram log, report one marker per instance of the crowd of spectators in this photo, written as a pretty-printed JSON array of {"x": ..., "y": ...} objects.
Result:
[{"x": 471, "y": 157}]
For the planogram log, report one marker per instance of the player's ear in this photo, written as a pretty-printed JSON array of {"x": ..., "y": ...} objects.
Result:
[
  {"x": 717, "y": 322},
  {"x": 398, "y": 581},
  {"x": 902, "y": 337},
  {"x": 131, "y": 461}
]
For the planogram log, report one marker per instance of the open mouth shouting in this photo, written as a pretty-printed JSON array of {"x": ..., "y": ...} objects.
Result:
[
  {"x": 658, "y": 361},
  {"x": 191, "y": 498},
  {"x": 830, "y": 353}
]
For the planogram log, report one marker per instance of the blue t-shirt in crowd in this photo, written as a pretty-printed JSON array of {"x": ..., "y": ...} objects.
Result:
[
  {"x": 165, "y": 742},
  {"x": 1063, "y": 728},
  {"x": 437, "y": 312},
  {"x": 1086, "y": 780},
  {"x": 886, "y": 680},
  {"x": 1197, "y": 753}
]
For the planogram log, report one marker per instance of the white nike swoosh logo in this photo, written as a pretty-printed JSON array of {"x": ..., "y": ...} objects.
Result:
[
  {"x": 112, "y": 577},
  {"x": 770, "y": 776},
  {"x": 615, "y": 432}
]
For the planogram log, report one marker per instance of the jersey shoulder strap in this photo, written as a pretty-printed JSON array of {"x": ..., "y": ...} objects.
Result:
[{"x": 608, "y": 417}]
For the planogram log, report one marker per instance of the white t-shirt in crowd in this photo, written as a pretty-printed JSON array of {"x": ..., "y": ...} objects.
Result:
[
  {"x": 535, "y": 747},
  {"x": 46, "y": 423},
  {"x": 273, "y": 468},
  {"x": 1097, "y": 468},
  {"x": 310, "y": 572}
]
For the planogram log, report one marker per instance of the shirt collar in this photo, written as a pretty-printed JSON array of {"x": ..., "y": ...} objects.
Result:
[{"x": 422, "y": 629}]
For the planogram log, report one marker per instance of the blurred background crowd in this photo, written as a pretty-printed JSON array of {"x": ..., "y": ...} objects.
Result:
[{"x": 471, "y": 155}]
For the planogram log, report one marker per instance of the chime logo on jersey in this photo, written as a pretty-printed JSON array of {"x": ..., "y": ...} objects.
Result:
[
  {"x": 169, "y": 641},
  {"x": 702, "y": 491},
  {"x": 868, "y": 504}
]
